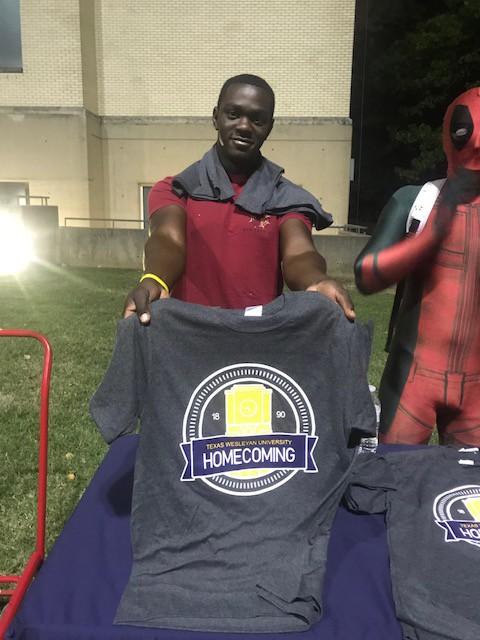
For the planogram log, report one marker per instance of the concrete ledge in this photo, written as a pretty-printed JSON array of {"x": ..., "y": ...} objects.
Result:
[
  {"x": 123, "y": 249},
  {"x": 340, "y": 251},
  {"x": 113, "y": 248}
]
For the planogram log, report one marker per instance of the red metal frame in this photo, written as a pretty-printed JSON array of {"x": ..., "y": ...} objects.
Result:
[{"x": 22, "y": 581}]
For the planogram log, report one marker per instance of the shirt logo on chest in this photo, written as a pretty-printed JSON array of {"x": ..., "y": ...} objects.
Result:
[
  {"x": 457, "y": 512},
  {"x": 248, "y": 429},
  {"x": 260, "y": 222}
]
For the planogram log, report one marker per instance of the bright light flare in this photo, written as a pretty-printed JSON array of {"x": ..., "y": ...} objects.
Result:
[{"x": 16, "y": 245}]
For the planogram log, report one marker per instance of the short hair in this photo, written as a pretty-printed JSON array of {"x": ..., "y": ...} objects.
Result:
[{"x": 247, "y": 78}]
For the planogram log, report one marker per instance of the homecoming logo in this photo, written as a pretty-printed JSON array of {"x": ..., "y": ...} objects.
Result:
[
  {"x": 248, "y": 429},
  {"x": 458, "y": 512}
]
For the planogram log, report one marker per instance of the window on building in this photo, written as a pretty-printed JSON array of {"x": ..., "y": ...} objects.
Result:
[
  {"x": 13, "y": 194},
  {"x": 10, "y": 37}
]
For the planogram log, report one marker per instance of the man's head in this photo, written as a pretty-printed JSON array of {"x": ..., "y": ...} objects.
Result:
[
  {"x": 243, "y": 119},
  {"x": 461, "y": 133}
]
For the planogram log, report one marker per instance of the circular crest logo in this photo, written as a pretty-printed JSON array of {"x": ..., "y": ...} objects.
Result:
[
  {"x": 248, "y": 429},
  {"x": 457, "y": 512}
]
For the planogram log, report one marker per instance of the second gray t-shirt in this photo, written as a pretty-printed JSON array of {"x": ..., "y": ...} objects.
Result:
[{"x": 432, "y": 500}]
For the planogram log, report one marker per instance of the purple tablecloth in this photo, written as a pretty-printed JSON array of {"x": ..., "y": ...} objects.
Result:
[{"x": 77, "y": 591}]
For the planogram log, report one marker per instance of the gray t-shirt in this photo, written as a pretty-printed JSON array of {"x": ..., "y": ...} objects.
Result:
[
  {"x": 432, "y": 500},
  {"x": 244, "y": 429}
]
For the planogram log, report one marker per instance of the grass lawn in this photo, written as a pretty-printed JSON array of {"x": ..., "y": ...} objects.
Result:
[{"x": 76, "y": 309}]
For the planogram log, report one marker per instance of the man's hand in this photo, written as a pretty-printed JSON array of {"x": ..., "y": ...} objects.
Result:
[
  {"x": 333, "y": 290},
  {"x": 444, "y": 213},
  {"x": 464, "y": 185},
  {"x": 460, "y": 188},
  {"x": 139, "y": 299},
  {"x": 164, "y": 254}
]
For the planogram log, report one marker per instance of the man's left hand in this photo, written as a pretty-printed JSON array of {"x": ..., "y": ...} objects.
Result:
[{"x": 333, "y": 290}]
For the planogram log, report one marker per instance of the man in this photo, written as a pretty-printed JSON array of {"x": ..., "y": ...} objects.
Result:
[
  {"x": 225, "y": 230},
  {"x": 429, "y": 240}
]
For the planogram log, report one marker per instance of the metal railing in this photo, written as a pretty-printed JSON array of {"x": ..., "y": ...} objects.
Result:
[
  {"x": 351, "y": 228},
  {"x": 112, "y": 221},
  {"x": 27, "y": 200}
]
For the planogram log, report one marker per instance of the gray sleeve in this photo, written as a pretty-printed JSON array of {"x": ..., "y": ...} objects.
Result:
[
  {"x": 370, "y": 483},
  {"x": 360, "y": 411},
  {"x": 118, "y": 402}
]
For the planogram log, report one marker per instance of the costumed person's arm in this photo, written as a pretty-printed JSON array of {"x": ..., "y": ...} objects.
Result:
[
  {"x": 391, "y": 254},
  {"x": 164, "y": 261},
  {"x": 304, "y": 269}
]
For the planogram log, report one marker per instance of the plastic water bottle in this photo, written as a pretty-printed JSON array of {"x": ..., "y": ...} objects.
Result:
[
  {"x": 373, "y": 392},
  {"x": 370, "y": 444}
]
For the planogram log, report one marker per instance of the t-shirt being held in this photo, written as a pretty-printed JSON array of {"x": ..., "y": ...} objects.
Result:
[
  {"x": 233, "y": 257},
  {"x": 432, "y": 500},
  {"x": 245, "y": 421}
]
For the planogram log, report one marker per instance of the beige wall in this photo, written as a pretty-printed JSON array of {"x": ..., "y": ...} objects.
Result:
[
  {"x": 158, "y": 58},
  {"x": 52, "y": 66},
  {"x": 92, "y": 167},
  {"x": 47, "y": 150},
  {"x": 116, "y": 94},
  {"x": 315, "y": 154}
]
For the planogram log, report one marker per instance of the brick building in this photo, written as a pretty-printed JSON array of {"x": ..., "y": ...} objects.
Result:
[{"x": 115, "y": 94}]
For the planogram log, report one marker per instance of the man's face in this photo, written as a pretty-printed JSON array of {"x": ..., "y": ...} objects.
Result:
[{"x": 243, "y": 119}]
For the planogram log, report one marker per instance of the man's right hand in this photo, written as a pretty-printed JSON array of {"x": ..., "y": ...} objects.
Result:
[
  {"x": 460, "y": 188},
  {"x": 443, "y": 217},
  {"x": 139, "y": 299}
]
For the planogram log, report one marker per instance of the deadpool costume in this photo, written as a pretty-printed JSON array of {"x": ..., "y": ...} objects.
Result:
[{"x": 432, "y": 374}]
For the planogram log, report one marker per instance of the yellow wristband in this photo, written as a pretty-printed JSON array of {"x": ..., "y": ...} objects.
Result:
[{"x": 161, "y": 282}]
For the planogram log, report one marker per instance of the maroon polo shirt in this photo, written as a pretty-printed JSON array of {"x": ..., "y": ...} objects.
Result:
[{"x": 233, "y": 257}]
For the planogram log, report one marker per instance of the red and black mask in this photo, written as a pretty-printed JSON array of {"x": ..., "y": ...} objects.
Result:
[{"x": 461, "y": 132}]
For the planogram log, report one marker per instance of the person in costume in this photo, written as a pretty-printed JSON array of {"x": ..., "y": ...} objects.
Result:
[
  {"x": 230, "y": 229},
  {"x": 428, "y": 240}
]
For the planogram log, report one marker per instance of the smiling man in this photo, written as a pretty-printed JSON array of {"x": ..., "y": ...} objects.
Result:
[{"x": 230, "y": 229}]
